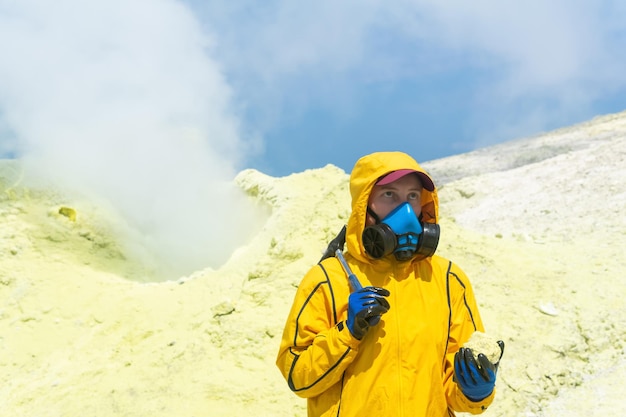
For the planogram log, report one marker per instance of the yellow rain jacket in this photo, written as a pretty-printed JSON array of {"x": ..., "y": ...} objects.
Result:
[{"x": 403, "y": 366}]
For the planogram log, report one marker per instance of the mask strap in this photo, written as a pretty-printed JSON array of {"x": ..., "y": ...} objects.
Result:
[{"x": 374, "y": 215}]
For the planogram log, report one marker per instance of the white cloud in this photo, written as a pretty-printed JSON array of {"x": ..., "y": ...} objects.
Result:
[{"x": 553, "y": 58}]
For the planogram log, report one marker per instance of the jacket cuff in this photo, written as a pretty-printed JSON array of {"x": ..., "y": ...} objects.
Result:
[
  {"x": 476, "y": 407},
  {"x": 345, "y": 337}
]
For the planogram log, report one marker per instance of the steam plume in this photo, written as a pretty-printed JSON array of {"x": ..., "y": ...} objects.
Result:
[{"x": 123, "y": 99}]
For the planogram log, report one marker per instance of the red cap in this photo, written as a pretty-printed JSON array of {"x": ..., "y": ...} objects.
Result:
[{"x": 396, "y": 175}]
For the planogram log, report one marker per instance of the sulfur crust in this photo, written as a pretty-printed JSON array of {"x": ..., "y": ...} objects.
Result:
[{"x": 480, "y": 342}]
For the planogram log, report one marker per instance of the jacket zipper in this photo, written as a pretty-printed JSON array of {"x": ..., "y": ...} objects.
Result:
[{"x": 398, "y": 329}]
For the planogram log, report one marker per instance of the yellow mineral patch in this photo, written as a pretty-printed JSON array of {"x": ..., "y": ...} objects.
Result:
[{"x": 68, "y": 212}]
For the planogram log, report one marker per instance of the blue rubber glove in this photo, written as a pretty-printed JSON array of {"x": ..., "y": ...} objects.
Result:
[
  {"x": 365, "y": 307},
  {"x": 475, "y": 376}
]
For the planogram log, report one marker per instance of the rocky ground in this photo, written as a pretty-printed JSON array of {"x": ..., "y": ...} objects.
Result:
[{"x": 538, "y": 225}]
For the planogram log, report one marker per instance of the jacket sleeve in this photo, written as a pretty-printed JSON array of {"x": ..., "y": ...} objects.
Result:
[
  {"x": 315, "y": 348},
  {"x": 464, "y": 320}
]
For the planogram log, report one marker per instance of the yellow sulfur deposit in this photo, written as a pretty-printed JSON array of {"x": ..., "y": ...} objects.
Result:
[
  {"x": 85, "y": 329},
  {"x": 68, "y": 212}
]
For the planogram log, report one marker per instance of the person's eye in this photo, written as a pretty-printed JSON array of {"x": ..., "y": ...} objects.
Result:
[
  {"x": 388, "y": 194},
  {"x": 414, "y": 196}
]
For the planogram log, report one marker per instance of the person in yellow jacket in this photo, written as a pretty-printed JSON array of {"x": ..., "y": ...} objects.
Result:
[{"x": 390, "y": 343}]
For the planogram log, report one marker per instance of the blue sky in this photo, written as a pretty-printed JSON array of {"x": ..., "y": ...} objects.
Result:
[
  {"x": 427, "y": 77},
  {"x": 294, "y": 85},
  {"x": 158, "y": 104}
]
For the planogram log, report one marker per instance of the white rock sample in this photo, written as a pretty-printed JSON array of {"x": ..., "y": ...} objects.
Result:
[{"x": 480, "y": 342}]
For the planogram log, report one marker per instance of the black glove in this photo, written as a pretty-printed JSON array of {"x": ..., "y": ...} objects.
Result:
[
  {"x": 475, "y": 376},
  {"x": 365, "y": 307}
]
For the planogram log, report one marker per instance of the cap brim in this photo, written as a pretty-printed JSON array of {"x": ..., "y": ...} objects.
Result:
[{"x": 427, "y": 183}]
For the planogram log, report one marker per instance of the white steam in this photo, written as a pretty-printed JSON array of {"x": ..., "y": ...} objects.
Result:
[{"x": 123, "y": 99}]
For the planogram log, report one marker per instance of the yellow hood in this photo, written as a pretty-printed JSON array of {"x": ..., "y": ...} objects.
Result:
[{"x": 364, "y": 175}]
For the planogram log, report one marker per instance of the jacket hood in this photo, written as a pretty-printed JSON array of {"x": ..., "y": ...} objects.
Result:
[{"x": 366, "y": 172}]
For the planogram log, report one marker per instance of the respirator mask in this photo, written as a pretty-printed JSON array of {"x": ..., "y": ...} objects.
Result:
[{"x": 402, "y": 234}]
